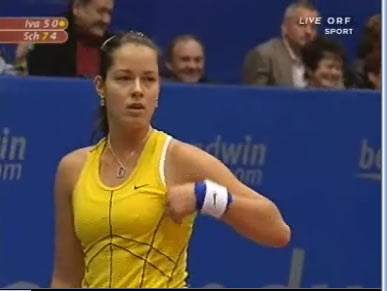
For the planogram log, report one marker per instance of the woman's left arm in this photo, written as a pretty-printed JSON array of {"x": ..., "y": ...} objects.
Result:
[{"x": 250, "y": 214}]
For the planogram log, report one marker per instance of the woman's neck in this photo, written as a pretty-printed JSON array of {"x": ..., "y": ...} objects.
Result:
[{"x": 126, "y": 141}]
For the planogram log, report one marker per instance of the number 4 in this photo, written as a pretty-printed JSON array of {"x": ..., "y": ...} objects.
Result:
[{"x": 53, "y": 36}]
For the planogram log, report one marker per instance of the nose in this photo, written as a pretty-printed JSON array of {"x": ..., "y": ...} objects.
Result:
[
  {"x": 336, "y": 72},
  {"x": 137, "y": 91},
  {"x": 191, "y": 65}
]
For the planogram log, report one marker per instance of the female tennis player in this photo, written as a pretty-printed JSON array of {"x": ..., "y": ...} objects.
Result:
[{"x": 125, "y": 207}]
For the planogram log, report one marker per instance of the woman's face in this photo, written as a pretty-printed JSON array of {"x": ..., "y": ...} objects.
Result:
[
  {"x": 328, "y": 74},
  {"x": 132, "y": 86}
]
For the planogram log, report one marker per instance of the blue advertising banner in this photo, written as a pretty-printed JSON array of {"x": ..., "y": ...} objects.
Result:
[{"x": 316, "y": 154}]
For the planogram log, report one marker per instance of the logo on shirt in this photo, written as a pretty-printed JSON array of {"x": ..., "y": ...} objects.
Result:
[{"x": 141, "y": 186}]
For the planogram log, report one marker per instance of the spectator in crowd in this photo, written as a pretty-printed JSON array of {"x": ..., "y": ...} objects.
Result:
[
  {"x": 185, "y": 60},
  {"x": 324, "y": 64},
  {"x": 370, "y": 41},
  {"x": 6, "y": 69},
  {"x": 373, "y": 68},
  {"x": 80, "y": 55},
  {"x": 278, "y": 61},
  {"x": 21, "y": 54}
]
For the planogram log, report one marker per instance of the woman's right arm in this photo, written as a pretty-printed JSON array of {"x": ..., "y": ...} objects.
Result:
[{"x": 69, "y": 265}]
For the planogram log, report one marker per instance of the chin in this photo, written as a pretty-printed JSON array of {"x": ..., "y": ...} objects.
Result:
[
  {"x": 329, "y": 86},
  {"x": 192, "y": 80},
  {"x": 302, "y": 44}
]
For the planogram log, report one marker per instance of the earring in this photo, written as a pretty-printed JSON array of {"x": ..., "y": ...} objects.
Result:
[
  {"x": 102, "y": 102},
  {"x": 157, "y": 103}
]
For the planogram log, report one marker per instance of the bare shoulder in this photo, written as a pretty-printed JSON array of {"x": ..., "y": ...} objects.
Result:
[
  {"x": 75, "y": 159},
  {"x": 182, "y": 153},
  {"x": 71, "y": 165},
  {"x": 189, "y": 163}
]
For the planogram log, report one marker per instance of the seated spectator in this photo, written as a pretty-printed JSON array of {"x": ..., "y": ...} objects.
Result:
[
  {"x": 6, "y": 69},
  {"x": 324, "y": 63},
  {"x": 185, "y": 60},
  {"x": 278, "y": 62},
  {"x": 370, "y": 40},
  {"x": 80, "y": 55},
  {"x": 21, "y": 54},
  {"x": 373, "y": 69}
]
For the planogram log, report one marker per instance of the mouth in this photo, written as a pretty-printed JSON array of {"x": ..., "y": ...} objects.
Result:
[
  {"x": 330, "y": 82},
  {"x": 135, "y": 108},
  {"x": 191, "y": 75},
  {"x": 191, "y": 72}
]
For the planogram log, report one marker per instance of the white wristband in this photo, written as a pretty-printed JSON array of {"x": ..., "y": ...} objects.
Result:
[{"x": 216, "y": 200}]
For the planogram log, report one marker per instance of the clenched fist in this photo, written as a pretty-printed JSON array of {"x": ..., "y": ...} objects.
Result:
[{"x": 181, "y": 201}]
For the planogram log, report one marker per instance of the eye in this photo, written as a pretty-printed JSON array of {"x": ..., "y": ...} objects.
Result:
[
  {"x": 123, "y": 78},
  {"x": 150, "y": 79}
]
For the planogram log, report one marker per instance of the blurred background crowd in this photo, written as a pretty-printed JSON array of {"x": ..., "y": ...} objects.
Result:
[{"x": 268, "y": 46}]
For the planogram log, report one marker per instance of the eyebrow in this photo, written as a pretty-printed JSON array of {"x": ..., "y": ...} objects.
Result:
[
  {"x": 129, "y": 71},
  {"x": 193, "y": 57}
]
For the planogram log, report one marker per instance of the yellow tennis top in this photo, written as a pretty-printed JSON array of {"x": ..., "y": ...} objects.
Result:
[{"x": 127, "y": 240}]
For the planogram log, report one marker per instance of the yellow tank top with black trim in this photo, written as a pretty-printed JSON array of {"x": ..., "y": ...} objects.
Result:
[{"x": 127, "y": 240}]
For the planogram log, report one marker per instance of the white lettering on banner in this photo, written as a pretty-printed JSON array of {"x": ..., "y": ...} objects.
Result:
[
  {"x": 12, "y": 154},
  {"x": 295, "y": 275},
  {"x": 10, "y": 172},
  {"x": 250, "y": 177},
  {"x": 370, "y": 162},
  {"x": 245, "y": 158}
]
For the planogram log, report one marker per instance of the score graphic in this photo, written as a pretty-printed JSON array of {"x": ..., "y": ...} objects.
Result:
[{"x": 33, "y": 30}]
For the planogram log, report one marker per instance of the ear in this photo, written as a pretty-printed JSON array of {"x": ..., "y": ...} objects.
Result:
[
  {"x": 99, "y": 86},
  {"x": 284, "y": 30}
]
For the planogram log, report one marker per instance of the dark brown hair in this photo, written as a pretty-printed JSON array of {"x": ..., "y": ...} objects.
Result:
[{"x": 107, "y": 54}]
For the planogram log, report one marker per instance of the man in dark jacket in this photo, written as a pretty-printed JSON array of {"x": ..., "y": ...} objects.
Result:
[{"x": 80, "y": 55}]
